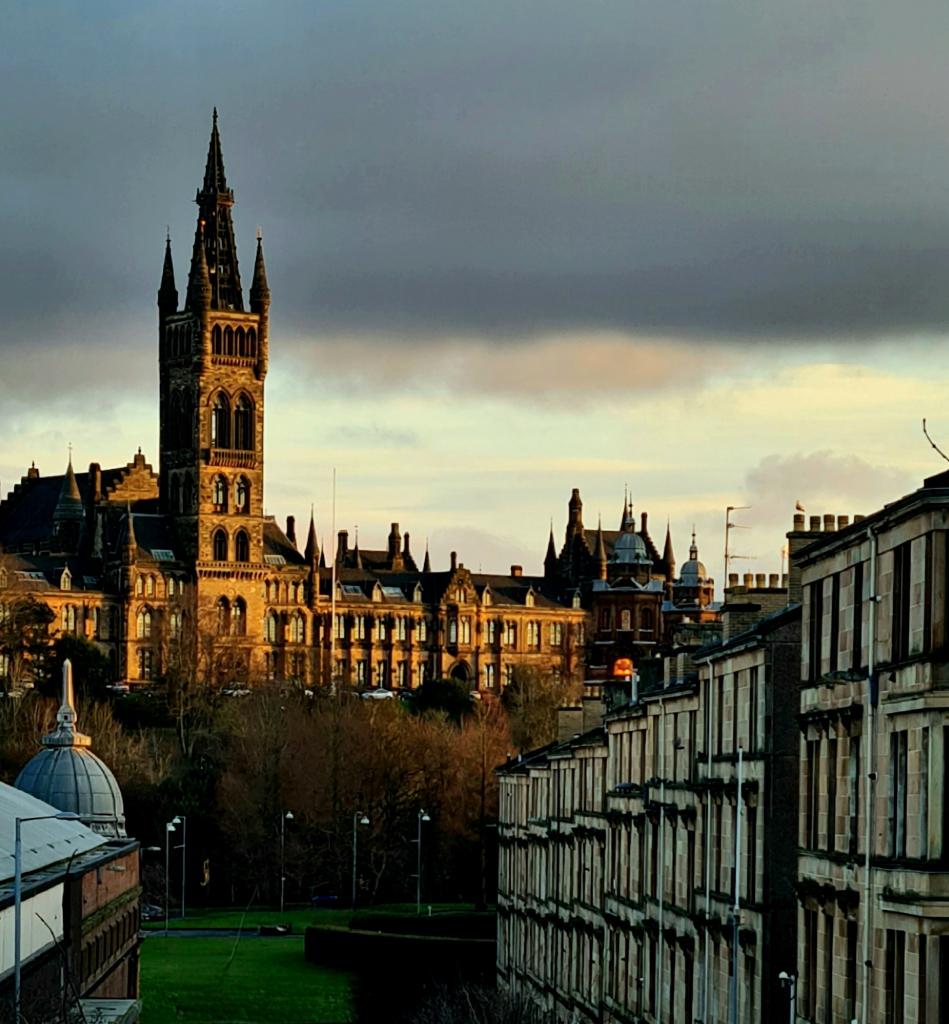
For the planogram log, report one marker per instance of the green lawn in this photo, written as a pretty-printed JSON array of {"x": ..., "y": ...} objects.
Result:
[
  {"x": 268, "y": 980},
  {"x": 232, "y": 917}
]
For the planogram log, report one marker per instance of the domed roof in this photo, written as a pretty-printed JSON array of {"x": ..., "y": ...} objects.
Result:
[
  {"x": 67, "y": 775},
  {"x": 693, "y": 572},
  {"x": 630, "y": 549}
]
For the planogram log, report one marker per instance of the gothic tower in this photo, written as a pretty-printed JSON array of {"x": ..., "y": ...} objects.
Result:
[{"x": 213, "y": 361}]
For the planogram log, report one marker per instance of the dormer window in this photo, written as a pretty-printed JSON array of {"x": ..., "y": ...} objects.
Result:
[
  {"x": 65, "y": 581},
  {"x": 486, "y": 597},
  {"x": 529, "y": 600}
]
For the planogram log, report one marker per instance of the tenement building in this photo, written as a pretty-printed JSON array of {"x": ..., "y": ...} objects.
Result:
[
  {"x": 873, "y": 928},
  {"x": 647, "y": 860},
  {"x": 179, "y": 570}
]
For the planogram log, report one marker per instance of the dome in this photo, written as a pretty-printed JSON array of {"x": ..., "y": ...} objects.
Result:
[
  {"x": 693, "y": 572},
  {"x": 630, "y": 549},
  {"x": 67, "y": 775}
]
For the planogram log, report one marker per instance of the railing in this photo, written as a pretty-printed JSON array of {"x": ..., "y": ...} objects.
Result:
[
  {"x": 233, "y": 457},
  {"x": 221, "y": 360}
]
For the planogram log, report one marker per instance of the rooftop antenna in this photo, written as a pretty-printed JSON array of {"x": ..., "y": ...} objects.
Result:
[
  {"x": 729, "y": 526},
  {"x": 933, "y": 443}
]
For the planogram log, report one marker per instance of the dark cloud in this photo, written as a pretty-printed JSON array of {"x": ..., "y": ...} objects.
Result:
[{"x": 734, "y": 169}]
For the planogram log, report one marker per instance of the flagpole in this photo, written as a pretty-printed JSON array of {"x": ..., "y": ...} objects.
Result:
[{"x": 333, "y": 598}]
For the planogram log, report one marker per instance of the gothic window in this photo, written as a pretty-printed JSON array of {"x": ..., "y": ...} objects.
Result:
[
  {"x": 422, "y": 630},
  {"x": 239, "y": 618},
  {"x": 270, "y": 628},
  {"x": 252, "y": 342},
  {"x": 466, "y": 630},
  {"x": 221, "y": 423},
  {"x": 382, "y": 673},
  {"x": 219, "y": 495},
  {"x": 140, "y": 586},
  {"x": 453, "y": 631},
  {"x": 176, "y": 343},
  {"x": 175, "y": 494},
  {"x": 625, "y": 619},
  {"x": 146, "y": 664},
  {"x": 228, "y": 341},
  {"x": 400, "y": 629},
  {"x": 489, "y": 677},
  {"x": 533, "y": 634},
  {"x": 186, "y": 340},
  {"x": 223, "y": 617},
  {"x": 556, "y": 634},
  {"x": 297, "y": 629},
  {"x": 244, "y": 424},
  {"x": 490, "y": 629},
  {"x": 241, "y": 342},
  {"x": 359, "y": 627},
  {"x": 382, "y": 629},
  {"x": 401, "y": 673},
  {"x": 242, "y": 547},
  {"x": 150, "y": 586},
  {"x": 174, "y": 625},
  {"x": 144, "y": 624},
  {"x": 361, "y": 673},
  {"x": 171, "y": 586},
  {"x": 220, "y": 546},
  {"x": 216, "y": 340},
  {"x": 69, "y": 618},
  {"x": 174, "y": 421},
  {"x": 187, "y": 421}
]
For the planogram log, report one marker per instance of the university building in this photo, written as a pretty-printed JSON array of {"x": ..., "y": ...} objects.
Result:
[{"x": 178, "y": 570}]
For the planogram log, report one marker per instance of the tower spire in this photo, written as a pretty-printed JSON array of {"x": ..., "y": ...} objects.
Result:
[
  {"x": 550, "y": 559},
  {"x": 312, "y": 551},
  {"x": 259, "y": 289},
  {"x": 667, "y": 556},
  {"x": 599, "y": 552},
  {"x": 427, "y": 564},
  {"x": 65, "y": 734},
  {"x": 199, "y": 280},
  {"x": 214, "y": 201},
  {"x": 167, "y": 292}
]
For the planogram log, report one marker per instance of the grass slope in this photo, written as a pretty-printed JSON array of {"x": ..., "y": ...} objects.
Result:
[
  {"x": 231, "y": 917},
  {"x": 189, "y": 980}
]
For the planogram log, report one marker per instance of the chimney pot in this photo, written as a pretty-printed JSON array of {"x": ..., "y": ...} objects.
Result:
[
  {"x": 815, "y": 524},
  {"x": 643, "y": 519},
  {"x": 517, "y": 570},
  {"x": 843, "y": 522},
  {"x": 784, "y": 580},
  {"x": 733, "y": 579},
  {"x": 749, "y": 579},
  {"x": 859, "y": 519},
  {"x": 773, "y": 580},
  {"x": 760, "y": 579},
  {"x": 830, "y": 523},
  {"x": 798, "y": 522}
]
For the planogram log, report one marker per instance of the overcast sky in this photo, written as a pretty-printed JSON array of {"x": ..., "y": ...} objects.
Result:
[{"x": 701, "y": 248}]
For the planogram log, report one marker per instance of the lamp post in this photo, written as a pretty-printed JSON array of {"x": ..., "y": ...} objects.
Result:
[
  {"x": 422, "y": 816},
  {"x": 169, "y": 828},
  {"x": 791, "y": 981},
  {"x": 283, "y": 846},
  {"x": 182, "y": 820},
  {"x": 358, "y": 819},
  {"x": 18, "y": 898}
]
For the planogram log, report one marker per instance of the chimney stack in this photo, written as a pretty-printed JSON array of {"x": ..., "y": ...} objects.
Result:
[
  {"x": 292, "y": 530},
  {"x": 517, "y": 570},
  {"x": 454, "y": 560}
]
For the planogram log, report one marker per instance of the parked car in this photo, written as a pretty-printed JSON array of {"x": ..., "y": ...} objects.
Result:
[
  {"x": 380, "y": 694},
  {"x": 149, "y": 912}
]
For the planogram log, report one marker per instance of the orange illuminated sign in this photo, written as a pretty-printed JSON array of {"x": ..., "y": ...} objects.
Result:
[{"x": 623, "y": 667}]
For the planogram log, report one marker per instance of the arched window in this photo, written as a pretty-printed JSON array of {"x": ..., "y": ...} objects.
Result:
[
  {"x": 243, "y": 495},
  {"x": 140, "y": 586},
  {"x": 146, "y": 664},
  {"x": 297, "y": 629},
  {"x": 239, "y": 618},
  {"x": 252, "y": 342},
  {"x": 150, "y": 586},
  {"x": 144, "y": 624},
  {"x": 175, "y": 625},
  {"x": 228, "y": 341},
  {"x": 216, "y": 340},
  {"x": 625, "y": 619},
  {"x": 175, "y": 494},
  {"x": 176, "y": 342},
  {"x": 244, "y": 424},
  {"x": 220, "y": 546},
  {"x": 223, "y": 617},
  {"x": 221, "y": 423},
  {"x": 186, "y": 340},
  {"x": 171, "y": 586},
  {"x": 174, "y": 421},
  {"x": 646, "y": 620},
  {"x": 453, "y": 631},
  {"x": 605, "y": 619},
  {"x": 69, "y": 618},
  {"x": 241, "y": 342},
  {"x": 270, "y": 628},
  {"x": 187, "y": 421},
  {"x": 242, "y": 547},
  {"x": 219, "y": 495}
]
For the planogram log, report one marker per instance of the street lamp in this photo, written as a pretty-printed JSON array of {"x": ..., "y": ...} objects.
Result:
[
  {"x": 422, "y": 816},
  {"x": 18, "y": 897},
  {"x": 361, "y": 819},
  {"x": 182, "y": 820},
  {"x": 169, "y": 828},
  {"x": 283, "y": 832}
]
